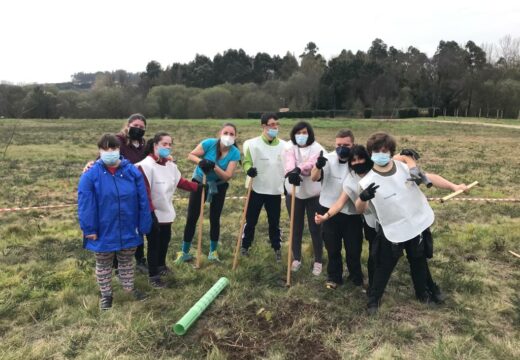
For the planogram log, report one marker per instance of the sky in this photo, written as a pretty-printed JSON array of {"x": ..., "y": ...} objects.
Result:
[{"x": 48, "y": 41}]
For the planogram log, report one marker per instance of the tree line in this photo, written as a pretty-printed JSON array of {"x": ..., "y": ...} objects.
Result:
[{"x": 464, "y": 79}]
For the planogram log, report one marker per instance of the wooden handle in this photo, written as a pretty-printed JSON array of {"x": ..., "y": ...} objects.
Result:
[
  {"x": 515, "y": 254},
  {"x": 458, "y": 192},
  {"x": 242, "y": 222},
  {"x": 201, "y": 220},
  {"x": 289, "y": 246}
]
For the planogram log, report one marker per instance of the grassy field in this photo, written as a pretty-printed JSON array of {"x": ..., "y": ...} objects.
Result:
[{"x": 49, "y": 298}]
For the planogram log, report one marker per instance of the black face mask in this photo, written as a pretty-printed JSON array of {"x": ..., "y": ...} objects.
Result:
[
  {"x": 362, "y": 168},
  {"x": 135, "y": 133},
  {"x": 342, "y": 152}
]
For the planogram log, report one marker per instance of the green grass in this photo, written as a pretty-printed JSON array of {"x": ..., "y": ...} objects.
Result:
[{"x": 49, "y": 298}]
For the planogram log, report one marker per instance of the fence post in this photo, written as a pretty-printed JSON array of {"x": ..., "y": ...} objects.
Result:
[
  {"x": 480, "y": 112},
  {"x": 444, "y": 113}
]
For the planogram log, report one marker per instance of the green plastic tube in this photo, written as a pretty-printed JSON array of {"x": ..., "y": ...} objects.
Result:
[{"x": 196, "y": 310}]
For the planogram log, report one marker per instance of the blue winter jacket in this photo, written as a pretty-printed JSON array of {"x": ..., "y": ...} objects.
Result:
[{"x": 114, "y": 207}]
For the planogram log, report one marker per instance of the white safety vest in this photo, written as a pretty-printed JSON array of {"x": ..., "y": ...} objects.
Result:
[
  {"x": 401, "y": 207},
  {"x": 334, "y": 174},
  {"x": 307, "y": 188},
  {"x": 163, "y": 180},
  {"x": 268, "y": 161},
  {"x": 352, "y": 189}
]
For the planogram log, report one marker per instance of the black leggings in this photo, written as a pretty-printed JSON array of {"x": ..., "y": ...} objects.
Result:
[
  {"x": 158, "y": 240},
  {"x": 215, "y": 210}
]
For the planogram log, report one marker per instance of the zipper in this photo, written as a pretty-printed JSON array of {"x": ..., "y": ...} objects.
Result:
[{"x": 119, "y": 211}]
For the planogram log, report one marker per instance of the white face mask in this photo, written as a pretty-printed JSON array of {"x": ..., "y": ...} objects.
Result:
[{"x": 227, "y": 140}]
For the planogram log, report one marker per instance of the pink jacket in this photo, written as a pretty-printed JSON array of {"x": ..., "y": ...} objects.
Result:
[{"x": 292, "y": 159}]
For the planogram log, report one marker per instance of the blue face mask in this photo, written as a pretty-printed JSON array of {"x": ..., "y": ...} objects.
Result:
[
  {"x": 109, "y": 158},
  {"x": 164, "y": 152},
  {"x": 342, "y": 152},
  {"x": 380, "y": 159},
  {"x": 301, "y": 139},
  {"x": 272, "y": 133}
]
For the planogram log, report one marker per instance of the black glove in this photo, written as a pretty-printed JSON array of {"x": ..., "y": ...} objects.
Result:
[
  {"x": 155, "y": 223},
  {"x": 411, "y": 153},
  {"x": 206, "y": 165},
  {"x": 321, "y": 161},
  {"x": 419, "y": 177},
  {"x": 294, "y": 176},
  {"x": 252, "y": 172},
  {"x": 369, "y": 192}
]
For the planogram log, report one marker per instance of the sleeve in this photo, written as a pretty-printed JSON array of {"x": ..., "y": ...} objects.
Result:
[
  {"x": 207, "y": 144},
  {"x": 235, "y": 154},
  {"x": 307, "y": 166},
  {"x": 248, "y": 160},
  {"x": 148, "y": 188},
  {"x": 187, "y": 185},
  {"x": 87, "y": 206},
  {"x": 145, "y": 217},
  {"x": 289, "y": 159}
]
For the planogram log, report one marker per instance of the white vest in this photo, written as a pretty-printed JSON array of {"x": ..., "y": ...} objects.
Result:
[
  {"x": 352, "y": 189},
  {"x": 401, "y": 207},
  {"x": 268, "y": 161},
  {"x": 163, "y": 180},
  {"x": 307, "y": 188},
  {"x": 334, "y": 174}
]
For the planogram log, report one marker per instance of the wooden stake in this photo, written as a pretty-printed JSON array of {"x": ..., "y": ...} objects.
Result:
[
  {"x": 515, "y": 254},
  {"x": 201, "y": 220},
  {"x": 289, "y": 246},
  {"x": 242, "y": 222},
  {"x": 458, "y": 192}
]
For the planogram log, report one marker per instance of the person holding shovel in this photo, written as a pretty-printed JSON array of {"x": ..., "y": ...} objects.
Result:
[{"x": 216, "y": 160}]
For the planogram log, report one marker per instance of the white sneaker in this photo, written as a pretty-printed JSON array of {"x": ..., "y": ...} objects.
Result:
[
  {"x": 317, "y": 268},
  {"x": 296, "y": 265}
]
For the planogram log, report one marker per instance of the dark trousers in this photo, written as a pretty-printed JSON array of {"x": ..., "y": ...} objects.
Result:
[
  {"x": 215, "y": 210},
  {"x": 386, "y": 256},
  {"x": 348, "y": 228},
  {"x": 158, "y": 240},
  {"x": 302, "y": 206},
  {"x": 272, "y": 204},
  {"x": 370, "y": 235}
]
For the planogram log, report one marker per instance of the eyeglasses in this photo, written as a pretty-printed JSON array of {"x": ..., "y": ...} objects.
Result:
[{"x": 272, "y": 125}]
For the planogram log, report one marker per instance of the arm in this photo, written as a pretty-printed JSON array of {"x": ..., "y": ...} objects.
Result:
[
  {"x": 148, "y": 189},
  {"x": 361, "y": 206},
  {"x": 187, "y": 185},
  {"x": 248, "y": 161},
  {"x": 145, "y": 217},
  {"x": 308, "y": 165},
  {"x": 408, "y": 160},
  {"x": 196, "y": 154},
  {"x": 87, "y": 207},
  {"x": 442, "y": 183},
  {"x": 227, "y": 174},
  {"x": 316, "y": 174},
  {"x": 334, "y": 209},
  {"x": 289, "y": 159}
]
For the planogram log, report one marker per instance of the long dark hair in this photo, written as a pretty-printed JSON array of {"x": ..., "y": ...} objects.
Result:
[
  {"x": 219, "y": 152},
  {"x": 361, "y": 153},
  {"x": 300, "y": 126},
  {"x": 148, "y": 149}
]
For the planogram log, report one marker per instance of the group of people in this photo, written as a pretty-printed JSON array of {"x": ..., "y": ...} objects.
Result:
[{"x": 350, "y": 193}]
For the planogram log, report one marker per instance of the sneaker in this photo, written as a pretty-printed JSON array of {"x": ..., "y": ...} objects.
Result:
[
  {"x": 278, "y": 255},
  {"x": 105, "y": 302},
  {"x": 164, "y": 270},
  {"x": 141, "y": 266},
  {"x": 213, "y": 256},
  {"x": 296, "y": 265},
  {"x": 317, "y": 268},
  {"x": 372, "y": 309},
  {"x": 244, "y": 251},
  {"x": 436, "y": 295},
  {"x": 139, "y": 295},
  {"x": 331, "y": 285},
  {"x": 183, "y": 257},
  {"x": 156, "y": 282}
]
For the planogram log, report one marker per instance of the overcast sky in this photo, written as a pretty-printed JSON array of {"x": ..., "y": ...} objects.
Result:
[{"x": 48, "y": 41}]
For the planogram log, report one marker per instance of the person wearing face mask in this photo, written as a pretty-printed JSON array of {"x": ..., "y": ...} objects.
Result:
[
  {"x": 162, "y": 178},
  {"x": 216, "y": 158},
  {"x": 359, "y": 164},
  {"x": 405, "y": 218},
  {"x": 345, "y": 229},
  {"x": 114, "y": 215},
  {"x": 300, "y": 156},
  {"x": 263, "y": 163}
]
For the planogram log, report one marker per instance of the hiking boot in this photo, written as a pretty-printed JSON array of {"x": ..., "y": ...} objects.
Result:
[
  {"x": 139, "y": 295},
  {"x": 141, "y": 266},
  {"x": 244, "y": 251},
  {"x": 372, "y": 306},
  {"x": 156, "y": 282},
  {"x": 317, "y": 268},
  {"x": 105, "y": 302},
  {"x": 213, "y": 256},
  {"x": 278, "y": 255},
  {"x": 296, "y": 265},
  {"x": 164, "y": 270},
  {"x": 183, "y": 257}
]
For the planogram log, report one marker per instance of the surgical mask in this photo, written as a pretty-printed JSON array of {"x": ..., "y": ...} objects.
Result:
[
  {"x": 362, "y": 168},
  {"x": 109, "y": 158},
  {"x": 272, "y": 133},
  {"x": 164, "y": 152},
  {"x": 342, "y": 152},
  {"x": 135, "y": 133},
  {"x": 227, "y": 140},
  {"x": 301, "y": 139},
  {"x": 381, "y": 159}
]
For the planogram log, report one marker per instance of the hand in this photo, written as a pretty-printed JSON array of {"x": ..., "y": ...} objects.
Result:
[
  {"x": 206, "y": 165},
  {"x": 411, "y": 153},
  {"x": 369, "y": 192},
  {"x": 252, "y": 172},
  {"x": 155, "y": 223},
  {"x": 462, "y": 187},
  {"x": 318, "y": 219},
  {"x": 88, "y": 166},
  {"x": 321, "y": 161},
  {"x": 294, "y": 178},
  {"x": 91, "y": 237},
  {"x": 415, "y": 175}
]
